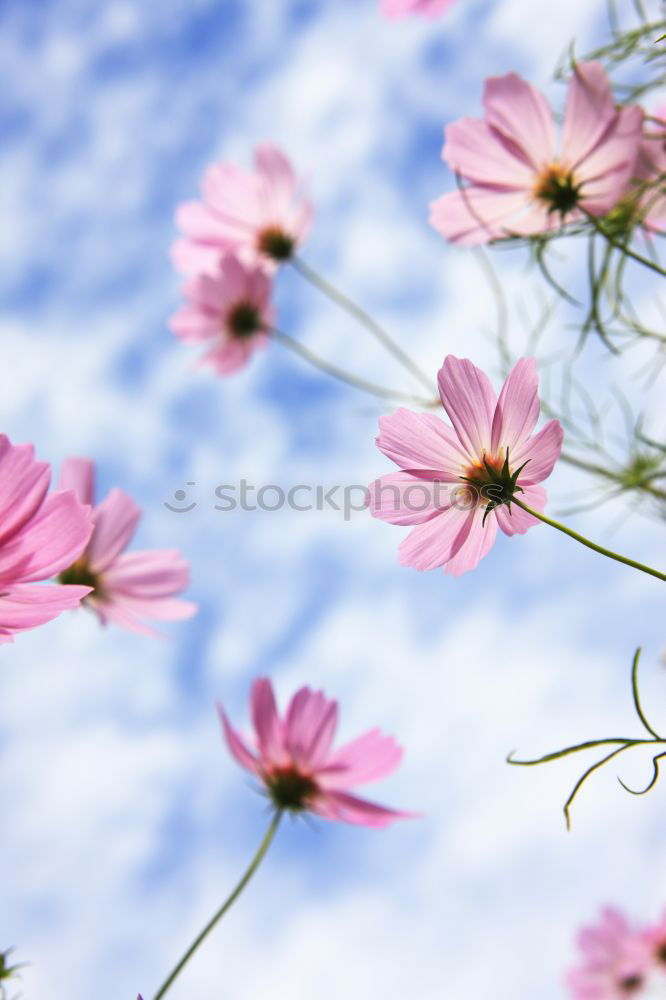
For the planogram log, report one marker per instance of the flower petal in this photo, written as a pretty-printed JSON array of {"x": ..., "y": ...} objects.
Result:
[
  {"x": 476, "y": 215},
  {"x": 26, "y": 606},
  {"x": 236, "y": 745},
  {"x": 433, "y": 543},
  {"x": 608, "y": 169},
  {"x": 148, "y": 573},
  {"x": 115, "y": 521},
  {"x": 469, "y": 399},
  {"x": 540, "y": 452},
  {"x": 478, "y": 541},
  {"x": 369, "y": 757},
  {"x": 23, "y": 486},
  {"x": 401, "y": 498},
  {"x": 51, "y": 541},
  {"x": 266, "y": 722},
  {"x": 477, "y": 153},
  {"x": 590, "y": 109},
  {"x": 78, "y": 475},
  {"x": 522, "y": 116},
  {"x": 517, "y": 409},
  {"x": 421, "y": 441},
  {"x": 309, "y": 727},
  {"x": 346, "y": 808}
]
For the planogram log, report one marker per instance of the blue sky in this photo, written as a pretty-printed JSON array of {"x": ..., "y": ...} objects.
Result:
[{"x": 125, "y": 822}]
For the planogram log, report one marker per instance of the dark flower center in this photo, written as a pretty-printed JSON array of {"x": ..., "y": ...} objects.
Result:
[
  {"x": 557, "y": 188},
  {"x": 631, "y": 983},
  {"x": 661, "y": 953},
  {"x": 244, "y": 319},
  {"x": 494, "y": 482},
  {"x": 289, "y": 789},
  {"x": 81, "y": 575},
  {"x": 275, "y": 243}
]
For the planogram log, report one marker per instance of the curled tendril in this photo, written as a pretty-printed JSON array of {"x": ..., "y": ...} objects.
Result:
[{"x": 620, "y": 745}]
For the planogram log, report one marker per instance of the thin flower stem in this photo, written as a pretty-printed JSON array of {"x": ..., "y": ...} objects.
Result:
[
  {"x": 623, "y": 247},
  {"x": 256, "y": 861},
  {"x": 636, "y": 696},
  {"x": 587, "y": 542},
  {"x": 330, "y": 369},
  {"x": 362, "y": 317}
]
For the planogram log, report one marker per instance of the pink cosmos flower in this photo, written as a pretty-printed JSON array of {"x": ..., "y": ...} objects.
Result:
[
  {"x": 651, "y": 174},
  {"x": 260, "y": 214},
  {"x": 401, "y": 8},
  {"x": 654, "y": 939},
  {"x": 615, "y": 963},
  {"x": 229, "y": 310},
  {"x": 518, "y": 183},
  {"x": 456, "y": 484},
  {"x": 39, "y": 535},
  {"x": 299, "y": 770},
  {"x": 123, "y": 587}
]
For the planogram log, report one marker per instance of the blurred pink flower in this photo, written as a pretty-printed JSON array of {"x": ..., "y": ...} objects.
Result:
[
  {"x": 261, "y": 215},
  {"x": 517, "y": 182},
  {"x": 402, "y": 8},
  {"x": 124, "y": 587},
  {"x": 229, "y": 310},
  {"x": 294, "y": 760},
  {"x": 651, "y": 173},
  {"x": 39, "y": 535},
  {"x": 654, "y": 939},
  {"x": 456, "y": 484},
  {"x": 615, "y": 962}
]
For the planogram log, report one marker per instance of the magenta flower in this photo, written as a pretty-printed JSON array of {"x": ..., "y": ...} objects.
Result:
[
  {"x": 228, "y": 310},
  {"x": 299, "y": 770},
  {"x": 123, "y": 587},
  {"x": 260, "y": 214},
  {"x": 402, "y": 8},
  {"x": 615, "y": 962},
  {"x": 456, "y": 484},
  {"x": 518, "y": 183},
  {"x": 39, "y": 535}
]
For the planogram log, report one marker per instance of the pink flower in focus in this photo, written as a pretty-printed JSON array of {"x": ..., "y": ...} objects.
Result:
[
  {"x": 39, "y": 535},
  {"x": 402, "y": 8},
  {"x": 615, "y": 964},
  {"x": 260, "y": 215},
  {"x": 299, "y": 770},
  {"x": 123, "y": 587},
  {"x": 456, "y": 483},
  {"x": 517, "y": 181},
  {"x": 228, "y": 310}
]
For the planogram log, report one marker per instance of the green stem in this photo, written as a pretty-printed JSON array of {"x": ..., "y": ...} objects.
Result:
[
  {"x": 623, "y": 247},
  {"x": 585, "y": 541},
  {"x": 361, "y": 316},
  {"x": 343, "y": 376},
  {"x": 256, "y": 861}
]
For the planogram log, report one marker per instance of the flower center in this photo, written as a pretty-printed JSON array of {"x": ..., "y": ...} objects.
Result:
[
  {"x": 557, "y": 188},
  {"x": 275, "y": 243},
  {"x": 631, "y": 983},
  {"x": 493, "y": 481},
  {"x": 661, "y": 953},
  {"x": 243, "y": 320},
  {"x": 290, "y": 789},
  {"x": 81, "y": 575}
]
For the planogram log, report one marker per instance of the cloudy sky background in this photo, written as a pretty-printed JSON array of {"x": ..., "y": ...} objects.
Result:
[{"x": 124, "y": 822}]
